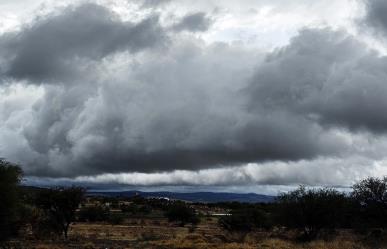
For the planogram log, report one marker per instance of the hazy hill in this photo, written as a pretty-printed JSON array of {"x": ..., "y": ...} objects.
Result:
[{"x": 209, "y": 197}]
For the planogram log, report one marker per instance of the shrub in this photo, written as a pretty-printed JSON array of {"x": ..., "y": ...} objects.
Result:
[
  {"x": 10, "y": 177},
  {"x": 116, "y": 218},
  {"x": 179, "y": 212},
  {"x": 59, "y": 205},
  {"x": 370, "y": 196},
  {"x": 42, "y": 225},
  {"x": 245, "y": 220},
  {"x": 94, "y": 213},
  {"x": 136, "y": 209},
  {"x": 311, "y": 210}
]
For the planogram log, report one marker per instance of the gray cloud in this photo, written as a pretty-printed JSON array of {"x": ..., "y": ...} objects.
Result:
[
  {"x": 46, "y": 49},
  {"x": 376, "y": 15},
  {"x": 324, "y": 76},
  {"x": 319, "y": 171},
  {"x": 158, "y": 118},
  {"x": 338, "y": 172},
  {"x": 190, "y": 106},
  {"x": 182, "y": 109},
  {"x": 154, "y": 3},
  {"x": 194, "y": 22}
]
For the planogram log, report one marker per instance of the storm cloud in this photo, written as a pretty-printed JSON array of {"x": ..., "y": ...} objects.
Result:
[
  {"x": 46, "y": 49},
  {"x": 326, "y": 77},
  {"x": 155, "y": 118},
  {"x": 138, "y": 102}
]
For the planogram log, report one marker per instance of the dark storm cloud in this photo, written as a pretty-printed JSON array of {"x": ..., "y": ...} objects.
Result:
[
  {"x": 194, "y": 22},
  {"x": 189, "y": 106},
  {"x": 49, "y": 48},
  {"x": 158, "y": 117},
  {"x": 327, "y": 77},
  {"x": 376, "y": 17}
]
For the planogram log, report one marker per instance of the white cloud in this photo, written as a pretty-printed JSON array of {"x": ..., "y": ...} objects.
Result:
[{"x": 268, "y": 177}]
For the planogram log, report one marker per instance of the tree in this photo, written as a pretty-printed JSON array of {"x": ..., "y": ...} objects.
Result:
[
  {"x": 60, "y": 205},
  {"x": 10, "y": 177},
  {"x": 94, "y": 213},
  {"x": 245, "y": 220},
  {"x": 180, "y": 212},
  {"x": 371, "y": 197},
  {"x": 311, "y": 210},
  {"x": 135, "y": 209}
]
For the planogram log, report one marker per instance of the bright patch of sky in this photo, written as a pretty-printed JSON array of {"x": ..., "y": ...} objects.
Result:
[{"x": 258, "y": 23}]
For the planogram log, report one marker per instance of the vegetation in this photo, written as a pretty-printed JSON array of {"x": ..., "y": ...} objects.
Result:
[
  {"x": 311, "y": 210},
  {"x": 179, "y": 212},
  {"x": 245, "y": 220},
  {"x": 60, "y": 205},
  {"x": 93, "y": 213},
  {"x": 10, "y": 177},
  {"x": 370, "y": 196}
]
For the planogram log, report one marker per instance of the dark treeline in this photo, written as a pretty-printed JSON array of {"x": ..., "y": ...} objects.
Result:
[
  {"x": 312, "y": 212},
  {"x": 308, "y": 212}
]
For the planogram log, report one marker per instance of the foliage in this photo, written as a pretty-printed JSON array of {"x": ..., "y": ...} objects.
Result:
[
  {"x": 116, "y": 218},
  {"x": 370, "y": 196},
  {"x": 136, "y": 209},
  {"x": 41, "y": 224},
  {"x": 10, "y": 177},
  {"x": 245, "y": 220},
  {"x": 60, "y": 205},
  {"x": 311, "y": 210},
  {"x": 180, "y": 212},
  {"x": 94, "y": 213}
]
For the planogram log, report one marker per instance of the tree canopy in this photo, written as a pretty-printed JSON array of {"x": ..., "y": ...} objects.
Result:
[
  {"x": 61, "y": 204},
  {"x": 10, "y": 177}
]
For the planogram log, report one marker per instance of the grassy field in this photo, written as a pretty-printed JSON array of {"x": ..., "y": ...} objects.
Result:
[{"x": 158, "y": 233}]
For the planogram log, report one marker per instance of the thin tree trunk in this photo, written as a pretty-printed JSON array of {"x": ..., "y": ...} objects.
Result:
[{"x": 66, "y": 229}]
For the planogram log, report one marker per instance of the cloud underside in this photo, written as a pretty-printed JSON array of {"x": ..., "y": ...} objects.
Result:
[{"x": 107, "y": 96}]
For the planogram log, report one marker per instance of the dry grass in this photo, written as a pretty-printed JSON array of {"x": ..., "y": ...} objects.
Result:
[{"x": 160, "y": 235}]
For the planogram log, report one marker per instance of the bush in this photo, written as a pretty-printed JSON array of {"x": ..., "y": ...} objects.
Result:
[
  {"x": 370, "y": 196},
  {"x": 179, "y": 212},
  {"x": 93, "y": 214},
  {"x": 10, "y": 177},
  {"x": 136, "y": 209},
  {"x": 42, "y": 225},
  {"x": 59, "y": 205},
  {"x": 116, "y": 218},
  {"x": 245, "y": 220},
  {"x": 311, "y": 210}
]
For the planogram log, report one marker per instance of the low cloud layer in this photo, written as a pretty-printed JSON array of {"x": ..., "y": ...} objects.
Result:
[
  {"x": 87, "y": 95},
  {"x": 319, "y": 172}
]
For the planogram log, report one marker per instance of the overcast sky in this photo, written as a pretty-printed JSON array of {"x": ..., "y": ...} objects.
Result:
[{"x": 252, "y": 95}]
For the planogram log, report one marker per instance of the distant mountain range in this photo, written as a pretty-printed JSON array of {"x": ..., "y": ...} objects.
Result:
[{"x": 207, "y": 197}]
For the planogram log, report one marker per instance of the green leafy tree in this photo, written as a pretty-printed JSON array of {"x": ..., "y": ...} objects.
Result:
[
  {"x": 60, "y": 205},
  {"x": 10, "y": 177}
]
